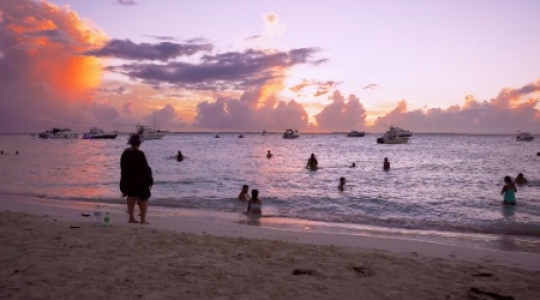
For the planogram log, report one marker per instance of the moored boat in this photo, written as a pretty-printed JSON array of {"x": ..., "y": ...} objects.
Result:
[
  {"x": 98, "y": 133},
  {"x": 355, "y": 133},
  {"x": 149, "y": 133},
  {"x": 400, "y": 132},
  {"x": 59, "y": 133},
  {"x": 392, "y": 138},
  {"x": 291, "y": 134},
  {"x": 525, "y": 137}
]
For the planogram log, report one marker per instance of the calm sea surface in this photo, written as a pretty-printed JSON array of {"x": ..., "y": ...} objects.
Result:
[{"x": 437, "y": 182}]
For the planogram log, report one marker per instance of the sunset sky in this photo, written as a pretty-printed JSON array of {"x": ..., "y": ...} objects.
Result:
[{"x": 319, "y": 66}]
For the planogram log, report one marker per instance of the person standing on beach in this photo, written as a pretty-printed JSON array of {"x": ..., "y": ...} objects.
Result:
[
  {"x": 509, "y": 191},
  {"x": 135, "y": 179},
  {"x": 386, "y": 164}
]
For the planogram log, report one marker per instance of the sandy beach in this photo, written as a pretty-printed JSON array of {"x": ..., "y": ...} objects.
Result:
[{"x": 45, "y": 257}]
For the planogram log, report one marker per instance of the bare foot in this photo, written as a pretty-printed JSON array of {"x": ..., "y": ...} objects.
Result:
[{"x": 133, "y": 221}]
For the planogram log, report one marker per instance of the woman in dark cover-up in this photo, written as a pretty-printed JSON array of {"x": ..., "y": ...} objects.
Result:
[{"x": 135, "y": 179}]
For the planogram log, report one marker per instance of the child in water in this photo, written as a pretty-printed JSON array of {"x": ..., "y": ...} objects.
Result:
[
  {"x": 509, "y": 191},
  {"x": 254, "y": 204},
  {"x": 244, "y": 192},
  {"x": 520, "y": 179}
]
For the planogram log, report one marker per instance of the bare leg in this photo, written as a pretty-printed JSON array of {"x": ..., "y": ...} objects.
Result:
[
  {"x": 131, "y": 207},
  {"x": 143, "y": 207}
]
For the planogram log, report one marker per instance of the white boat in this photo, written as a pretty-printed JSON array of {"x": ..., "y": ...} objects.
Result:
[
  {"x": 355, "y": 133},
  {"x": 524, "y": 136},
  {"x": 392, "y": 138},
  {"x": 291, "y": 134},
  {"x": 98, "y": 133},
  {"x": 59, "y": 133},
  {"x": 400, "y": 132},
  {"x": 149, "y": 133}
]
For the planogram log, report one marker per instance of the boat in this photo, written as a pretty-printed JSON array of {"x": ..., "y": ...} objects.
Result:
[
  {"x": 241, "y": 136},
  {"x": 400, "y": 132},
  {"x": 98, "y": 133},
  {"x": 524, "y": 136},
  {"x": 291, "y": 134},
  {"x": 355, "y": 133},
  {"x": 217, "y": 136},
  {"x": 149, "y": 133},
  {"x": 392, "y": 138},
  {"x": 59, "y": 133}
]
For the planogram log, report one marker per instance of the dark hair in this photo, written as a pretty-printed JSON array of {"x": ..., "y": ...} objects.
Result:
[
  {"x": 507, "y": 179},
  {"x": 135, "y": 140},
  {"x": 341, "y": 178},
  {"x": 254, "y": 193},
  {"x": 245, "y": 186},
  {"x": 520, "y": 175}
]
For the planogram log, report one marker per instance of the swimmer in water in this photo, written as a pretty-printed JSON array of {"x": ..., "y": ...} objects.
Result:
[
  {"x": 341, "y": 186},
  {"x": 353, "y": 165},
  {"x": 509, "y": 191},
  {"x": 254, "y": 204},
  {"x": 244, "y": 193},
  {"x": 520, "y": 179},
  {"x": 386, "y": 164},
  {"x": 268, "y": 155},
  {"x": 179, "y": 156},
  {"x": 312, "y": 163}
]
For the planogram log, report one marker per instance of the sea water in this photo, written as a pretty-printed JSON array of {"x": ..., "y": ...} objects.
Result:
[{"x": 445, "y": 182}]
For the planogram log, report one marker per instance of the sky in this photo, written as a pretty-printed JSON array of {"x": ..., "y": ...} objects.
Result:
[{"x": 319, "y": 66}]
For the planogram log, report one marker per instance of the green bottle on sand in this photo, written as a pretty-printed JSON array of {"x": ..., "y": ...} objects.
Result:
[{"x": 106, "y": 220}]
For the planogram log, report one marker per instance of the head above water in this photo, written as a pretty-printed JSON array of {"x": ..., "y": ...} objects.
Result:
[
  {"x": 507, "y": 179},
  {"x": 135, "y": 140},
  {"x": 245, "y": 188},
  {"x": 520, "y": 175},
  {"x": 342, "y": 179},
  {"x": 254, "y": 193},
  {"x": 386, "y": 159}
]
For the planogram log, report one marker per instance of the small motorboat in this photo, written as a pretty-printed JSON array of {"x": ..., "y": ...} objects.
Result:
[
  {"x": 241, "y": 136},
  {"x": 98, "y": 133},
  {"x": 217, "y": 136},
  {"x": 59, "y": 133},
  {"x": 392, "y": 138},
  {"x": 355, "y": 133},
  {"x": 291, "y": 134},
  {"x": 524, "y": 137}
]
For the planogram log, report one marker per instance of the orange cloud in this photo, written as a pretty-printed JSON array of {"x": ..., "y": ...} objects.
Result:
[{"x": 52, "y": 36}]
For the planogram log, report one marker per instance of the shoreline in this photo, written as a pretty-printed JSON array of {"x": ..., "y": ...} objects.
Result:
[{"x": 503, "y": 250}]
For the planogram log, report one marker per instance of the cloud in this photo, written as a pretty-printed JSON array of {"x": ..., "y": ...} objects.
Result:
[
  {"x": 371, "y": 86},
  {"x": 225, "y": 71},
  {"x": 341, "y": 115},
  {"x": 126, "y": 109},
  {"x": 509, "y": 112},
  {"x": 126, "y": 2},
  {"x": 247, "y": 114},
  {"x": 105, "y": 112},
  {"x": 166, "y": 117},
  {"x": 321, "y": 87},
  {"x": 162, "y": 38},
  {"x": 164, "y": 51},
  {"x": 42, "y": 82}
]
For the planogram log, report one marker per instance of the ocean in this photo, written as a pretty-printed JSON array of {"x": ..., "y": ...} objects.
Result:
[{"x": 437, "y": 182}]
